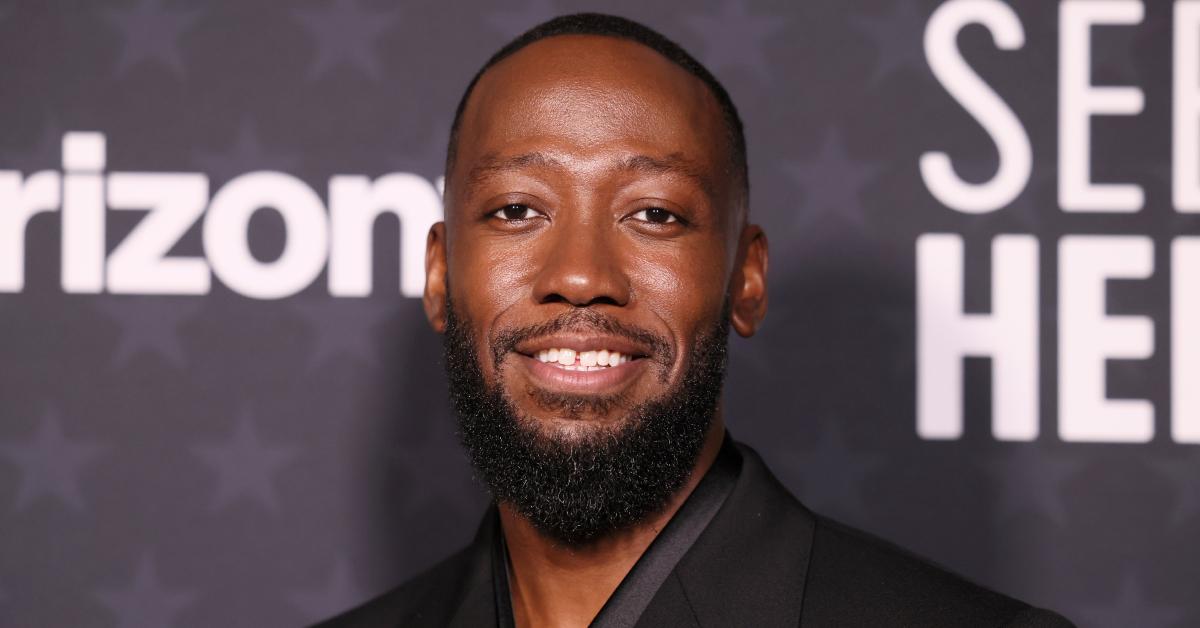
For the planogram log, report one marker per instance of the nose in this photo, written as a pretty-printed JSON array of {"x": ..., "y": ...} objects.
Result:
[{"x": 582, "y": 267}]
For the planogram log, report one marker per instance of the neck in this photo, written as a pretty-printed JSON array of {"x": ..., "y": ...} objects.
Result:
[{"x": 556, "y": 585}]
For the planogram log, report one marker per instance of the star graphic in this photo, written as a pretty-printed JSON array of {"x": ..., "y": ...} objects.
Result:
[
  {"x": 1184, "y": 473},
  {"x": 831, "y": 472},
  {"x": 50, "y": 464},
  {"x": 146, "y": 602},
  {"x": 245, "y": 154},
  {"x": 338, "y": 593},
  {"x": 413, "y": 458},
  {"x": 245, "y": 466},
  {"x": 345, "y": 327},
  {"x": 45, "y": 154},
  {"x": 831, "y": 183},
  {"x": 151, "y": 34},
  {"x": 1028, "y": 479},
  {"x": 511, "y": 22},
  {"x": 344, "y": 34},
  {"x": 898, "y": 36},
  {"x": 735, "y": 40},
  {"x": 150, "y": 325},
  {"x": 1130, "y": 608},
  {"x": 428, "y": 160}
]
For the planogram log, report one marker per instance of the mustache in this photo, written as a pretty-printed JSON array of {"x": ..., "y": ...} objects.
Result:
[{"x": 582, "y": 320}]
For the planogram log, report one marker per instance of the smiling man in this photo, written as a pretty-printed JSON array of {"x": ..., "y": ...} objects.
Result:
[{"x": 595, "y": 253}]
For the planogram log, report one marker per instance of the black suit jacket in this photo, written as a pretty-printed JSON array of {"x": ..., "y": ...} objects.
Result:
[{"x": 764, "y": 560}]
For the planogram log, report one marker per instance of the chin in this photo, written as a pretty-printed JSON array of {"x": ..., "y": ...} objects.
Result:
[{"x": 575, "y": 418}]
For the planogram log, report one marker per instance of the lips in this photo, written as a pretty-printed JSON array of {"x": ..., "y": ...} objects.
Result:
[
  {"x": 555, "y": 377},
  {"x": 582, "y": 364}
]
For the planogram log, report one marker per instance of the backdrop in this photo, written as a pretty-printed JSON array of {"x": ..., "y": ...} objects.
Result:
[{"x": 220, "y": 404}]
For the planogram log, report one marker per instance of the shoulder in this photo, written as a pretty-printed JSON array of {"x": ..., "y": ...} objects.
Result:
[
  {"x": 429, "y": 599},
  {"x": 855, "y": 578}
]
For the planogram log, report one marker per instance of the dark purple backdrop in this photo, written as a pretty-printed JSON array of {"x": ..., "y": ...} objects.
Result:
[{"x": 225, "y": 460}]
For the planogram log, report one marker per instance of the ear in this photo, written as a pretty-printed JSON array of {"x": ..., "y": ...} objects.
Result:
[
  {"x": 435, "y": 277},
  {"x": 748, "y": 286}
]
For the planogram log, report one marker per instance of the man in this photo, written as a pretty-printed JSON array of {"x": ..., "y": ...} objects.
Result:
[{"x": 595, "y": 252}]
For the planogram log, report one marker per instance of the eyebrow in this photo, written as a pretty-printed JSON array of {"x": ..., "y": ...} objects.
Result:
[{"x": 674, "y": 164}]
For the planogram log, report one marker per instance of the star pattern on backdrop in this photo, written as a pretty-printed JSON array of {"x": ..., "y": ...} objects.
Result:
[
  {"x": 44, "y": 154},
  {"x": 1131, "y": 607},
  {"x": 345, "y": 328},
  {"x": 50, "y": 464},
  {"x": 1029, "y": 479},
  {"x": 345, "y": 34},
  {"x": 64, "y": 476},
  {"x": 733, "y": 40},
  {"x": 1184, "y": 474},
  {"x": 150, "y": 34},
  {"x": 149, "y": 326},
  {"x": 831, "y": 184},
  {"x": 146, "y": 602},
  {"x": 413, "y": 458},
  {"x": 337, "y": 593},
  {"x": 429, "y": 158},
  {"x": 831, "y": 473},
  {"x": 898, "y": 35},
  {"x": 246, "y": 153},
  {"x": 245, "y": 466},
  {"x": 510, "y": 22}
]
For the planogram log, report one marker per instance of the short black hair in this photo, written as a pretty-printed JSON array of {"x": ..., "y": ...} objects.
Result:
[{"x": 621, "y": 28}]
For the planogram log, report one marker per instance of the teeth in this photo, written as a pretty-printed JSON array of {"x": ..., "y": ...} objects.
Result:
[
  {"x": 587, "y": 358},
  {"x": 573, "y": 360},
  {"x": 566, "y": 357}
]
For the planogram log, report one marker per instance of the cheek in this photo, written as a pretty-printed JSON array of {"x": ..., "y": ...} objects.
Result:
[
  {"x": 488, "y": 277},
  {"x": 684, "y": 282}
]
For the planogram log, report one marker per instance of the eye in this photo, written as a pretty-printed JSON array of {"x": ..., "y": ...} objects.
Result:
[
  {"x": 514, "y": 212},
  {"x": 656, "y": 215}
]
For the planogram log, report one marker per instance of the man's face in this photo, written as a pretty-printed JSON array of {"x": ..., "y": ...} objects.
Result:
[{"x": 591, "y": 213}]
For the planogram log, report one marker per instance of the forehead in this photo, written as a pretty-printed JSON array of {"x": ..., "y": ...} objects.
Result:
[{"x": 588, "y": 97}]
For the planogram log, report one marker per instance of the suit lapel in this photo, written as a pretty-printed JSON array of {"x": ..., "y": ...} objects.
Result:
[
  {"x": 748, "y": 567},
  {"x": 476, "y": 606},
  {"x": 670, "y": 607}
]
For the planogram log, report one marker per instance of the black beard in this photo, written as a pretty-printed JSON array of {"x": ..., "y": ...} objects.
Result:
[{"x": 580, "y": 487}]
